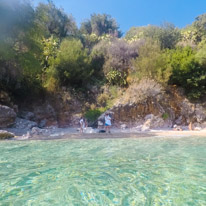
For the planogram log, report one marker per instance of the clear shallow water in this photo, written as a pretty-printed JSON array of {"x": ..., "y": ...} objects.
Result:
[{"x": 149, "y": 171}]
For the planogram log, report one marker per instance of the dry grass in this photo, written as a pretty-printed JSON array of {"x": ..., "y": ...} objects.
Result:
[{"x": 141, "y": 91}]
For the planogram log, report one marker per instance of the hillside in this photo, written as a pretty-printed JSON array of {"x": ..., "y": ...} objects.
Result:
[{"x": 52, "y": 72}]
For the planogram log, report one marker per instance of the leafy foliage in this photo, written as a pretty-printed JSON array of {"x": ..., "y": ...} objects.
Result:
[
  {"x": 72, "y": 63},
  {"x": 167, "y": 34},
  {"x": 92, "y": 114},
  {"x": 42, "y": 48},
  {"x": 200, "y": 26},
  {"x": 188, "y": 73},
  {"x": 115, "y": 77},
  {"x": 100, "y": 24},
  {"x": 151, "y": 64},
  {"x": 53, "y": 21}
]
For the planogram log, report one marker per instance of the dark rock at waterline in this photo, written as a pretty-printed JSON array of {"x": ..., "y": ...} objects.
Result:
[
  {"x": 6, "y": 135},
  {"x": 24, "y": 124},
  {"x": 7, "y": 116}
]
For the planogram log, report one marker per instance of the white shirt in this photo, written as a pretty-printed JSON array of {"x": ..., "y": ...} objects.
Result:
[
  {"x": 82, "y": 123},
  {"x": 108, "y": 120}
]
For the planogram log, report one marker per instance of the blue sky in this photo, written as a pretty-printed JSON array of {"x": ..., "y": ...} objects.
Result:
[{"x": 130, "y": 13}]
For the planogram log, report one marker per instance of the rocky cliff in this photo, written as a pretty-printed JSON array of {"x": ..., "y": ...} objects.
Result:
[
  {"x": 170, "y": 105},
  {"x": 151, "y": 107},
  {"x": 61, "y": 109}
]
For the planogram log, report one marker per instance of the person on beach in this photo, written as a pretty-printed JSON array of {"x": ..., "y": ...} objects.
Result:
[
  {"x": 108, "y": 123},
  {"x": 190, "y": 127},
  {"x": 82, "y": 124}
]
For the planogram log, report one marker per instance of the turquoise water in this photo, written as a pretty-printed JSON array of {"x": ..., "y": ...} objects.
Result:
[{"x": 145, "y": 171}]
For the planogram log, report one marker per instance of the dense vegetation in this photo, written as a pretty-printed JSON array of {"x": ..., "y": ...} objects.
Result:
[{"x": 42, "y": 50}]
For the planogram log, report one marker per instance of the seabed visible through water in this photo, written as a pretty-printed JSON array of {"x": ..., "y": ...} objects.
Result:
[{"x": 118, "y": 171}]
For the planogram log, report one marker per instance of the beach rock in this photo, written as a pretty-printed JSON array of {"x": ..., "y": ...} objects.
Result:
[
  {"x": 149, "y": 116},
  {"x": 7, "y": 116},
  {"x": 24, "y": 124},
  {"x": 153, "y": 121},
  {"x": 145, "y": 128},
  {"x": 42, "y": 123},
  {"x": 38, "y": 131},
  {"x": 197, "y": 128},
  {"x": 179, "y": 121},
  {"x": 123, "y": 126},
  {"x": 5, "y": 135},
  {"x": 139, "y": 127},
  {"x": 75, "y": 119},
  {"x": 89, "y": 130},
  {"x": 35, "y": 131},
  {"x": 200, "y": 113},
  {"x": 100, "y": 123},
  {"x": 45, "y": 115},
  {"x": 25, "y": 136}
]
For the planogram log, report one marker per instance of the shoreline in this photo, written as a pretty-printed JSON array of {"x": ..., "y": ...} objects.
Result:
[{"x": 72, "y": 133}]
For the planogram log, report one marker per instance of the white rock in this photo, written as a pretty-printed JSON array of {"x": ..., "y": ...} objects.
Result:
[
  {"x": 145, "y": 128},
  {"x": 123, "y": 126},
  {"x": 197, "y": 128},
  {"x": 89, "y": 130}
]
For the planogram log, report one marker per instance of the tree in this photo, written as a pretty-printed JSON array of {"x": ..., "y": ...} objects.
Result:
[
  {"x": 100, "y": 24},
  {"x": 117, "y": 55},
  {"x": 53, "y": 21},
  {"x": 19, "y": 47},
  {"x": 188, "y": 73},
  {"x": 143, "y": 32},
  {"x": 200, "y": 26},
  {"x": 167, "y": 34},
  {"x": 151, "y": 63},
  {"x": 72, "y": 64}
]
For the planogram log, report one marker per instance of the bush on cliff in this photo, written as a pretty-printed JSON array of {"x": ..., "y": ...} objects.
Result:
[
  {"x": 72, "y": 64},
  {"x": 187, "y": 72}
]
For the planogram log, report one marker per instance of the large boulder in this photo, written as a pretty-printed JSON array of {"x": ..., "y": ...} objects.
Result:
[
  {"x": 5, "y": 135},
  {"x": 24, "y": 124},
  {"x": 7, "y": 116},
  {"x": 152, "y": 122},
  {"x": 45, "y": 115},
  {"x": 200, "y": 113}
]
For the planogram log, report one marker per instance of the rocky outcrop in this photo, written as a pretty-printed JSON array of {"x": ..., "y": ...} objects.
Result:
[
  {"x": 161, "y": 110},
  {"x": 5, "y": 135},
  {"x": 60, "y": 110},
  {"x": 7, "y": 116},
  {"x": 24, "y": 124},
  {"x": 45, "y": 115},
  {"x": 152, "y": 122}
]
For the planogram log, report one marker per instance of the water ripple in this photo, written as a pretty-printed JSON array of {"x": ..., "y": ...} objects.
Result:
[{"x": 152, "y": 171}]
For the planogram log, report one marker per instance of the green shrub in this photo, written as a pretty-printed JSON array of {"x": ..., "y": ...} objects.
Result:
[
  {"x": 72, "y": 63},
  {"x": 115, "y": 77},
  {"x": 92, "y": 114},
  {"x": 165, "y": 116},
  {"x": 188, "y": 73},
  {"x": 151, "y": 63}
]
